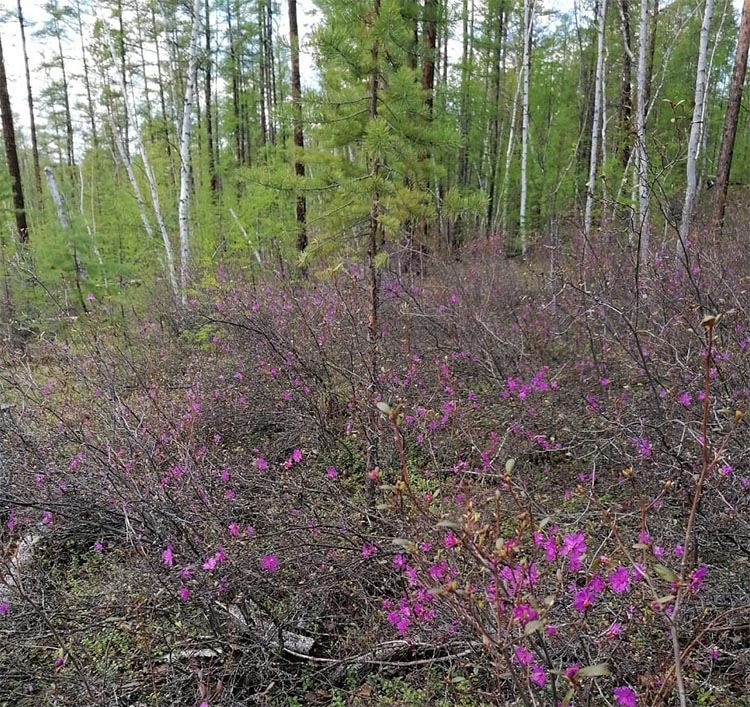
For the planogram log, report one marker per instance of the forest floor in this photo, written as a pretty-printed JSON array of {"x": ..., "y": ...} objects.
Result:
[{"x": 540, "y": 495}]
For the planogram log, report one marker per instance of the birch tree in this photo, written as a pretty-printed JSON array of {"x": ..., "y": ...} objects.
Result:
[
  {"x": 641, "y": 156},
  {"x": 183, "y": 210},
  {"x": 696, "y": 132},
  {"x": 598, "y": 86},
  {"x": 528, "y": 21},
  {"x": 730, "y": 120}
]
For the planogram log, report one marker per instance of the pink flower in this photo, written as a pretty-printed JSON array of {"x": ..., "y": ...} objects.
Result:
[
  {"x": 537, "y": 675},
  {"x": 571, "y": 670},
  {"x": 234, "y": 529},
  {"x": 583, "y": 599},
  {"x": 450, "y": 540},
  {"x": 625, "y": 697},
  {"x": 523, "y": 656},
  {"x": 297, "y": 456},
  {"x": 696, "y": 578},
  {"x": 47, "y": 518},
  {"x": 524, "y": 613},
  {"x": 184, "y": 593},
  {"x": 331, "y": 472},
  {"x": 573, "y": 547},
  {"x": 98, "y": 547},
  {"x": 269, "y": 563},
  {"x": 619, "y": 580},
  {"x": 685, "y": 399},
  {"x": 166, "y": 556},
  {"x": 399, "y": 562},
  {"x": 261, "y": 463},
  {"x": 368, "y": 550}
]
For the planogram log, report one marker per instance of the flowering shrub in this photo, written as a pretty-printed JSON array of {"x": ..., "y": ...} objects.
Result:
[{"x": 559, "y": 512}]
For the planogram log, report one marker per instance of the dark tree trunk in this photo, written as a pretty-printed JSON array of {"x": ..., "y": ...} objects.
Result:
[
  {"x": 209, "y": 112},
  {"x": 30, "y": 97},
  {"x": 626, "y": 90},
  {"x": 429, "y": 32},
  {"x": 730, "y": 120},
  {"x": 495, "y": 128},
  {"x": 373, "y": 276},
  {"x": 11, "y": 154},
  {"x": 299, "y": 138}
]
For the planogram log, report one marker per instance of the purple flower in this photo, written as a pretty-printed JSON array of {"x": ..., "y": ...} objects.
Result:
[
  {"x": 269, "y": 563},
  {"x": 297, "y": 456},
  {"x": 537, "y": 675},
  {"x": 98, "y": 547},
  {"x": 685, "y": 399},
  {"x": 573, "y": 547},
  {"x": 625, "y": 697},
  {"x": 368, "y": 550},
  {"x": 261, "y": 463},
  {"x": 166, "y": 556},
  {"x": 583, "y": 599},
  {"x": 450, "y": 540},
  {"x": 523, "y": 656},
  {"x": 4, "y": 608},
  {"x": 331, "y": 472},
  {"x": 696, "y": 578},
  {"x": 399, "y": 562},
  {"x": 524, "y": 613},
  {"x": 642, "y": 447},
  {"x": 184, "y": 593},
  {"x": 619, "y": 580}
]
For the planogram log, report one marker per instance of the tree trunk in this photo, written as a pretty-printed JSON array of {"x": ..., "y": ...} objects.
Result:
[
  {"x": 528, "y": 21},
  {"x": 429, "y": 32},
  {"x": 214, "y": 182},
  {"x": 696, "y": 131},
  {"x": 626, "y": 89},
  {"x": 495, "y": 124},
  {"x": 11, "y": 154},
  {"x": 299, "y": 138},
  {"x": 183, "y": 207},
  {"x": 86, "y": 80},
  {"x": 730, "y": 121},
  {"x": 125, "y": 158},
  {"x": 373, "y": 276},
  {"x": 641, "y": 155},
  {"x": 30, "y": 98},
  {"x": 595, "y": 127},
  {"x": 66, "y": 103}
]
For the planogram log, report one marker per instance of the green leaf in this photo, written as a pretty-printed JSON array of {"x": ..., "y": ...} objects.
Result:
[
  {"x": 568, "y": 697},
  {"x": 449, "y": 524},
  {"x": 532, "y": 627},
  {"x": 665, "y": 573},
  {"x": 385, "y": 408},
  {"x": 594, "y": 671},
  {"x": 510, "y": 465}
]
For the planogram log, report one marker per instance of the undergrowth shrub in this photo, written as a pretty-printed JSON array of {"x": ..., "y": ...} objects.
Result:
[{"x": 561, "y": 513}]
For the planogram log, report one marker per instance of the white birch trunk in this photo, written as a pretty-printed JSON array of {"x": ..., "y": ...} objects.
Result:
[
  {"x": 508, "y": 156},
  {"x": 528, "y": 19},
  {"x": 641, "y": 155},
  {"x": 187, "y": 114},
  {"x": 124, "y": 156},
  {"x": 598, "y": 84},
  {"x": 696, "y": 130}
]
